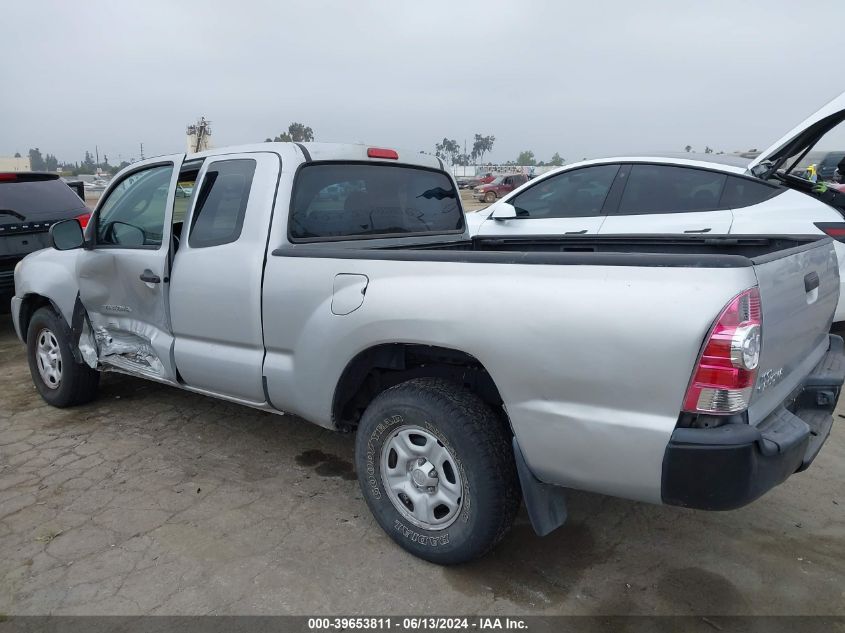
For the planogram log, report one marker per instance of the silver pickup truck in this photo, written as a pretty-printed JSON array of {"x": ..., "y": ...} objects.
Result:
[{"x": 339, "y": 283}]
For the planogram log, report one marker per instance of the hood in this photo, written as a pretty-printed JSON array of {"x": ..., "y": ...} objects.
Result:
[{"x": 805, "y": 134}]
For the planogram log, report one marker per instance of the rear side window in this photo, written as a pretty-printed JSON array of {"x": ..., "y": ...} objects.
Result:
[
  {"x": 37, "y": 198},
  {"x": 668, "y": 189},
  {"x": 359, "y": 200},
  {"x": 743, "y": 192},
  {"x": 221, "y": 205}
]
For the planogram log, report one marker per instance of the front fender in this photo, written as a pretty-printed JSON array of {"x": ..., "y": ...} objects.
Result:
[{"x": 50, "y": 274}]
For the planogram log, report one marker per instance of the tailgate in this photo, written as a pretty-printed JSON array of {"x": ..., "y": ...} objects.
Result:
[{"x": 799, "y": 290}]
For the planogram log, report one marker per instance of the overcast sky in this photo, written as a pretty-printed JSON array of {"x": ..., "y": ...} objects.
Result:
[{"x": 580, "y": 78}]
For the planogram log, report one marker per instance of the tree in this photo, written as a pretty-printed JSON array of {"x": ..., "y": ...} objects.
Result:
[
  {"x": 556, "y": 160},
  {"x": 17, "y": 154},
  {"x": 88, "y": 166},
  {"x": 51, "y": 163},
  {"x": 448, "y": 149},
  {"x": 688, "y": 148},
  {"x": 36, "y": 160},
  {"x": 526, "y": 157},
  {"x": 481, "y": 146},
  {"x": 708, "y": 149},
  {"x": 297, "y": 133},
  {"x": 113, "y": 169}
]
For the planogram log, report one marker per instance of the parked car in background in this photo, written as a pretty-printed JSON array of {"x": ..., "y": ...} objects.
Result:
[
  {"x": 468, "y": 183},
  {"x": 473, "y": 372},
  {"x": 717, "y": 195},
  {"x": 825, "y": 163},
  {"x": 77, "y": 185},
  {"x": 30, "y": 203},
  {"x": 499, "y": 186}
]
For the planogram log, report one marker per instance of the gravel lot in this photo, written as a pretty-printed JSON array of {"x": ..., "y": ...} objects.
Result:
[{"x": 154, "y": 500}]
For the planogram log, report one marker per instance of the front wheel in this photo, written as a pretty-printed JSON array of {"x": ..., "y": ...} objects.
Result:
[
  {"x": 490, "y": 197},
  {"x": 436, "y": 468},
  {"x": 60, "y": 380}
]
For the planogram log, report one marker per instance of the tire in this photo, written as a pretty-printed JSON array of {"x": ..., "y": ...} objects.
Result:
[
  {"x": 48, "y": 349},
  {"x": 490, "y": 197},
  {"x": 471, "y": 455}
]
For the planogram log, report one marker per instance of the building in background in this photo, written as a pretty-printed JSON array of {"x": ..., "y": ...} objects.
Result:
[
  {"x": 199, "y": 136},
  {"x": 15, "y": 163}
]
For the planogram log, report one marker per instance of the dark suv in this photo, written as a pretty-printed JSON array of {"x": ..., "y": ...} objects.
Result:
[{"x": 30, "y": 203}]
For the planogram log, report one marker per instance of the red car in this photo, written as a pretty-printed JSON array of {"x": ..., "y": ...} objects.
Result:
[{"x": 499, "y": 186}]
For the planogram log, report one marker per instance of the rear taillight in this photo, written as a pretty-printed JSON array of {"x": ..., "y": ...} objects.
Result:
[
  {"x": 8, "y": 177},
  {"x": 836, "y": 230},
  {"x": 83, "y": 219},
  {"x": 727, "y": 367}
]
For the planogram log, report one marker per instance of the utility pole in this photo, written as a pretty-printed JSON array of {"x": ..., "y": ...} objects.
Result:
[
  {"x": 97, "y": 152},
  {"x": 142, "y": 151}
]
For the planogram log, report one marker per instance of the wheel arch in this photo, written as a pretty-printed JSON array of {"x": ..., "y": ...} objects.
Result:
[
  {"x": 382, "y": 366},
  {"x": 32, "y": 302}
]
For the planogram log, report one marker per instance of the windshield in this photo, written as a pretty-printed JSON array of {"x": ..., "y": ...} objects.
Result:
[{"x": 497, "y": 180}]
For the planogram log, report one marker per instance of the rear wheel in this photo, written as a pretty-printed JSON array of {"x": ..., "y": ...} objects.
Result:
[
  {"x": 436, "y": 468},
  {"x": 60, "y": 380}
]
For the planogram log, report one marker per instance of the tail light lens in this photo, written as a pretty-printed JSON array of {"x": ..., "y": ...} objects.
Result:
[
  {"x": 726, "y": 370},
  {"x": 83, "y": 219}
]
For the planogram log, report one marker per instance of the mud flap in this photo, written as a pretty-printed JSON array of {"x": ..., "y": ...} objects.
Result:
[{"x": 546, "y": 504}]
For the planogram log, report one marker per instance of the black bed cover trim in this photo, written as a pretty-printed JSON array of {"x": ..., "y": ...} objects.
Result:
[{"x": 461, "y": 251}]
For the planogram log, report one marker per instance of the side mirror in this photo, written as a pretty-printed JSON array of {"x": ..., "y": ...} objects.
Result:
[
  {"x": 504, "y": 211},
  {"x": 66, "y": 235}
]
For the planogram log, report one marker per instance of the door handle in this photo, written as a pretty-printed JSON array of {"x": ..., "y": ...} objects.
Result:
[
  {"x": 150, "y": 277},
  {"x": 707, "y": 230},
  {"x": 581, "y": 232},
  {"x": 811, "y": 281}
]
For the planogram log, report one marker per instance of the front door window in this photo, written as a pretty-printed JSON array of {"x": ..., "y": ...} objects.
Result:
[{"x": 133, "y": 214}]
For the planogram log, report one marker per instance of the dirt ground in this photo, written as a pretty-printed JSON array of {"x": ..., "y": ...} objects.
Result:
[
  {"x": 155, "y": 500},
  {"x": 469, "y": 203}
]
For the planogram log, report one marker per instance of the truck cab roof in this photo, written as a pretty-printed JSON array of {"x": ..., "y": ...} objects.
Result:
[{"x": 329, "y": 151}]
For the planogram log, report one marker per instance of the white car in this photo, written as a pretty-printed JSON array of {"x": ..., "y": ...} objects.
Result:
[{"x": 718, "y": 195}]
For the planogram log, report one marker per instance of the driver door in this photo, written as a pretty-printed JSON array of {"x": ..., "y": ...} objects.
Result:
[{"x": 123, "y": 270}]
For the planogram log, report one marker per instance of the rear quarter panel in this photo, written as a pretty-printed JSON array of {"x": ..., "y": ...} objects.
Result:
[{"x": 592, "y": 362}]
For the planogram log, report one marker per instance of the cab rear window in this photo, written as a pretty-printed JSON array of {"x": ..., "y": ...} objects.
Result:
[{"x": 335, "y": 201}]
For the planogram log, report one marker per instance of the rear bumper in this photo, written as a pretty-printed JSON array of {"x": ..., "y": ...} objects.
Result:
[{"x": 729, "y": 466}]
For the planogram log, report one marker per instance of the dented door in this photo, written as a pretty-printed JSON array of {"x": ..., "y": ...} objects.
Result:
[{"x": 123, "y": 271}]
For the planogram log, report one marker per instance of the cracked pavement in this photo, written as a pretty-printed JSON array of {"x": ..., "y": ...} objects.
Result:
[{"x": 152, "y": 500}]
